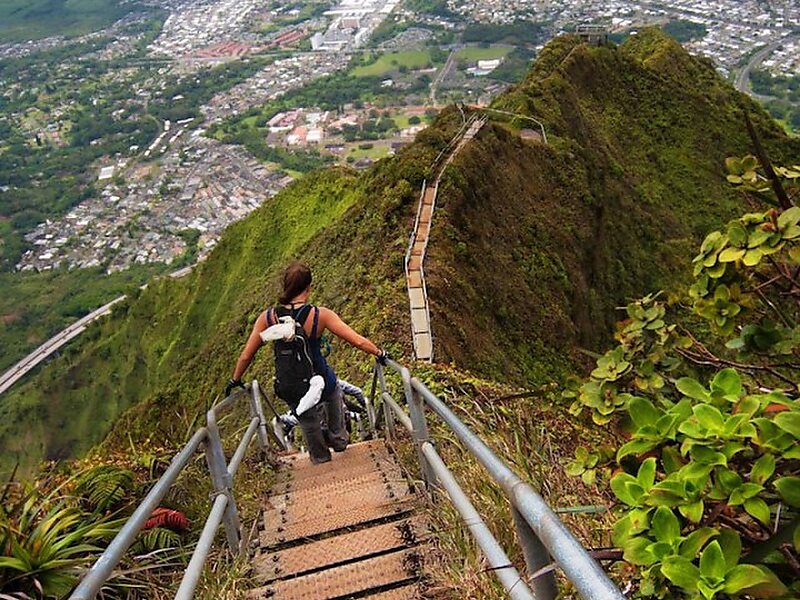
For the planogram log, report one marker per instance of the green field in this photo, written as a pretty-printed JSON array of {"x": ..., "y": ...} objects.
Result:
[
  {"x": 475, "y": 53},
  {"x": 22, "y": 20},
  {"x": 378, "y": 150},
  {"x": 388, "y": 63}
]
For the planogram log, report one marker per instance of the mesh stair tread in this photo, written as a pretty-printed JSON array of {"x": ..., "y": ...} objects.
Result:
[
  {"x": 340, "y": 582},
  {"x": 335, "y": 550}
]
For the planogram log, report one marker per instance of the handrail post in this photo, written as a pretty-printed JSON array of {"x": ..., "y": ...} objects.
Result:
[
  {"x": 256, "y": 410},
  {"x": 371, "y": 416},
  {"x": 388, "y": 416},
  {"x": 416, "y": 410},
  {"x": 221, "y": 479},
  {"x": 536, "y": 556}
]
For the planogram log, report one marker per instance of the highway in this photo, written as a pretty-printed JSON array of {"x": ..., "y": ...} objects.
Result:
[
  {"x": 19, "y": 370},
  {"x": 743, "y": 78}
]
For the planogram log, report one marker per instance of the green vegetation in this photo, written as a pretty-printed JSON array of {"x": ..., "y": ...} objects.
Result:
[
  {"x": 518, "y": 33},
  {"x": 475, "y": 53},
  {"x": 533, "y": 249},
  {"x": 393, "y": 62},
  {"x": 711, "y": 484},
  {"x": 35, "y": 306},
  {"x": 22, "y": 20},
  {"x": 784, "y": 93},
  {"x": 685, "y": 31},
  {"x": 437, "y": 8},
  {"x": 515, "y": 66},
  {"x": 367, "y": 150}
]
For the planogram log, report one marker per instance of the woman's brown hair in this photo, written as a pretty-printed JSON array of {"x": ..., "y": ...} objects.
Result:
[{"x": 296, "y": 278}]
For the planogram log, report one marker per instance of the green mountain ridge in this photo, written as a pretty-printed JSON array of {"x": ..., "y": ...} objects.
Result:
[{"x": 533, "y": 247}]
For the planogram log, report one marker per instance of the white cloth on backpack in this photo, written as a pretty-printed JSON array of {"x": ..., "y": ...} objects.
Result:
[
  {"x": 284, "y": 330},
  {"x": 312, "y": 397}
]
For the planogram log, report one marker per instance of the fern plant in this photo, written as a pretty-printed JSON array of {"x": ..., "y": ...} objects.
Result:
[
  {"x": 157, "y": 538},
  {"x": 104, "y": 487}
]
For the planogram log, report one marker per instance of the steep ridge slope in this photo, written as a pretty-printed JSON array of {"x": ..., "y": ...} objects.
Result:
[
  {"x": 532, "y": 248},
  {"x": 175, "y": 344},
  {"x": 536, "y": 245}
]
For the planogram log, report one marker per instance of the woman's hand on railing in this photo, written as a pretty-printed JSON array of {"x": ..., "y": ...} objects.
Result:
[{"x": 232, "y": 383}]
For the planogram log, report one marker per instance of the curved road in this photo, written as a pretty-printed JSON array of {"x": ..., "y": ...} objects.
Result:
[
  {"x": 743, "y": 78},
  {"x": 19, "y": 370}
]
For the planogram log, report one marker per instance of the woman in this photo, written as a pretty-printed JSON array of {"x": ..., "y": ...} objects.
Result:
[{"x": 315, "y": 321}]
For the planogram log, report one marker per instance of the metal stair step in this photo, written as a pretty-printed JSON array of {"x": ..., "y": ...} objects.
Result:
[
  {"x": 359, "y": 506},
  {"x": 341, "y": 582},
  {"x": 332, "y": 551}
]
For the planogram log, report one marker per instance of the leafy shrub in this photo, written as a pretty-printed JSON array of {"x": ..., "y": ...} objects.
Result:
[{"x": 710, "y": 472}]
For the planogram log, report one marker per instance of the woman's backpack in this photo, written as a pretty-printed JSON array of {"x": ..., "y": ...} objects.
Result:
[{"x": 294, "y": 366}]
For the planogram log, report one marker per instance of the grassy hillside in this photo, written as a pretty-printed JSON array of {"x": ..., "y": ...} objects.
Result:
[
  {"x": 170, "y": 350},
  {"x": 535, "y": 246},
  {"x": 532, "y": 249}
]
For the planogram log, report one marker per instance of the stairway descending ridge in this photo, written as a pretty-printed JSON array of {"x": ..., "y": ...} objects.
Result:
[
  {"x": 415, "y": 273},
  {"x": 342, "y": 529}
]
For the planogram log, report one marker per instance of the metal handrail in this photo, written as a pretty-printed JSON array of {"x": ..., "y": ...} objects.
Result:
[
  {"x": 540, "y": 532},
  {"x": 223, "y": 509}
]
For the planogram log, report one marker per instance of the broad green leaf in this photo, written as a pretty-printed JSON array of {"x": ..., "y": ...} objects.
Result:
[
  {"x": 731, "y": 255},
  {"x": 789, "y": 489},
  {"x": 796, "y": 538},
  {"x": 790, "y": 216},
  {"x": 763, "y": 469},
  {"x": 707, "y": 456},
  {"x": 772, "y": 587},
  {"x": 710, "y": 242},
  {"x": 665, "y": 525},
  {"x": 660, "y": 550},
  {"x": 692, "y": 388},
  {"x": 692, "y": 511},
  {"x": 709, "y": 417},
  {"x": 731, "y": 545},
  {"x": 681, "y": 572},
  {"x": 712, "y": 563},
  {"x": 741, "y": 577},
  {"x": 627, "y": 489},
  {"x": 758, "y": 509},
  {"x": 589, "y": 476},
  {"x": 636, "y": 447},
  {"x": 635, "y": 551},
  {"x": 789, "y": 422},
  {"x": 574, "y": 469},
  {"x": 696, "y": 540},
  {"x": 752, "y": 257},
  {"x": 727, "y": 381},
  {"x": 647, "y": 473},
  {"x": 643, "y": 412},
  {"x": 667, "y": 493},
  {"x": 756, "y": 238},
  {"x": 737, "y": 234},
  {"x": 748, "y": 406}
]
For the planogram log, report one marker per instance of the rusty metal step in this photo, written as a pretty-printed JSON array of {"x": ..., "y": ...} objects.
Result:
[
  {"x": 364, "y": 453},
  {"x": 325, "y": 487},
  {"x": 310, "y": 521},
  {"x": 341, "y": 582},
  {"x": 333, "y": 551},
  {"x": 290, "y": 485}
]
